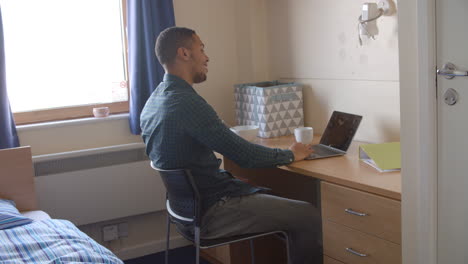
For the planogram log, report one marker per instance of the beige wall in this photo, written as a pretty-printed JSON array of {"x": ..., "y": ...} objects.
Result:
[
  {"x": 315, "y": 43},
  {"x": 235, "y": 39},
  {"x": 215, "y": 23}
]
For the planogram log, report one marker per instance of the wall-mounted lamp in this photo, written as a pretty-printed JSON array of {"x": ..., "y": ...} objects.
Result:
[{"x": 370, "y": 13}]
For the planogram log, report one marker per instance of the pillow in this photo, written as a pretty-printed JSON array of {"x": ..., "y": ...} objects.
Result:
[{"x": 10, "y": 216}]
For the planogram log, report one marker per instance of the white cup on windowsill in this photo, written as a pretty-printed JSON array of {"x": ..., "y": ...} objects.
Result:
[{"x": 101, "y": 111}]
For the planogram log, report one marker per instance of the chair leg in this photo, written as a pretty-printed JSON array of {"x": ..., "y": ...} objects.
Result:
[
  {"x": 168, "y": 232},
  {"x": 252, "y": 251},
  {"x": 287, "y": 249},
  {"x": 197, "y": 244}
]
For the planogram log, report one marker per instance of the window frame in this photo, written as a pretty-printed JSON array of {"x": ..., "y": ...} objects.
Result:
[{"x": 80, "y": 111}]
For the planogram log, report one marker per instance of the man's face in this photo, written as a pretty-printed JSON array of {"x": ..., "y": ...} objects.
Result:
[{"x": 199, "y": 60}]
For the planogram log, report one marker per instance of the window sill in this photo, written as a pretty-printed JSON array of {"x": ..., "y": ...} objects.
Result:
[{"x": 72, "y": 122}]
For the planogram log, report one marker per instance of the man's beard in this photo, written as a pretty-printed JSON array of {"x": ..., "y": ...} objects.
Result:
[{"x": 199, "y": 77}]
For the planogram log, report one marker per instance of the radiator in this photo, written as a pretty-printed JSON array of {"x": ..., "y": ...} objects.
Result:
[{"x": 94, "y": 185}]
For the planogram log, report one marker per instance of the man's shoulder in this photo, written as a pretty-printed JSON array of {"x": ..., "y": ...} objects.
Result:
[
  {"x": 178, "y": 101},
  {"x": 193, "y": 98}
]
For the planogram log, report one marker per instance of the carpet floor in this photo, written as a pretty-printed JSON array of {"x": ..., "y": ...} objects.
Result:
[{"x": 182, "y": 255}]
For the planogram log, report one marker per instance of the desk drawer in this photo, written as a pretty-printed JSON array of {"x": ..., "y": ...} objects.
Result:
[
  {"x": 383, "y": 215},
  {"x": 337, "y": 238}
]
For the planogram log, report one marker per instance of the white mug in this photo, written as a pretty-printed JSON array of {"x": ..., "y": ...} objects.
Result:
[
  {"x": 304, "y": 135},
  {"x": 101, "y": 111}
]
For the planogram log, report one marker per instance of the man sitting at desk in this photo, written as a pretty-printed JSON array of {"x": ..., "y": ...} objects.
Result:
[{"x": 181, "y": 130}]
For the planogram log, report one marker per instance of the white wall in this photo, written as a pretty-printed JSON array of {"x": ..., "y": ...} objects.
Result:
[{"x": 315, "y": 43}]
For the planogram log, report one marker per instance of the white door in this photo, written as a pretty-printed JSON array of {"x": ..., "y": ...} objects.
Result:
[{"x": 452, "y": 46}]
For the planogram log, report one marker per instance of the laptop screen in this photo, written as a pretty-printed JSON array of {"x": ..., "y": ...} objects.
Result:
[{"x": 340, "y": 130}]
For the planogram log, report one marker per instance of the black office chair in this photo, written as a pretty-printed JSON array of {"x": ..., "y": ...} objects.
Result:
[{"x": 183, "y": 209}]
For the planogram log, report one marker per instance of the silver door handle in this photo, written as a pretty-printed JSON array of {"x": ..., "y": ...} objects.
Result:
[
  {"x": 452, "y": 73},
  {"x": 449, "y": 70}
]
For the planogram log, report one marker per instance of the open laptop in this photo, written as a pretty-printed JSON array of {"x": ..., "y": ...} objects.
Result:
[{"x": 337, "y": 137}]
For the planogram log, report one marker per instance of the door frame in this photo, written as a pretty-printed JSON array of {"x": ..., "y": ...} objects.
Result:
[{"x": 418, "y": 110}]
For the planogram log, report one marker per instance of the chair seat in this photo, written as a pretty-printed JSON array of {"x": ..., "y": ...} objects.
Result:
[
  {"x": 208, "y": 243},
  {"x": 180, "y": 186}
]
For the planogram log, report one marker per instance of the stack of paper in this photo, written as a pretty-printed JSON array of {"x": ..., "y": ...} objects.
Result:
[{"x": 384, "y": 157}]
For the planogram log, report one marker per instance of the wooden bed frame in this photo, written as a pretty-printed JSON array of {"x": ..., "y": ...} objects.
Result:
[{"x": 17, "y": 177}]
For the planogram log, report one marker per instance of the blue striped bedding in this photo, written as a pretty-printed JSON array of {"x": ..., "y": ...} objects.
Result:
[
  {"x": 10, "y": 216},
  {"x": 51, "y": 241}
]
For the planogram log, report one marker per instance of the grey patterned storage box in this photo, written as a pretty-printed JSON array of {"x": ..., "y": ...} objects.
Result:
[{"x": 277, "y": 108}]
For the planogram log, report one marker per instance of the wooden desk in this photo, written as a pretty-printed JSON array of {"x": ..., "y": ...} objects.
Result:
[
  {"x": 345, "y": 170},
  {"x": 333, "y": 184}
]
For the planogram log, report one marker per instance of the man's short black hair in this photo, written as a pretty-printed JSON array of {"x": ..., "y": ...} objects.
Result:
[{"x": 170, "y": 40}]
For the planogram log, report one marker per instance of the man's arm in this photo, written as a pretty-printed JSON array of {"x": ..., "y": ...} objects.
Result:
[{"x": 204, "y": 125}]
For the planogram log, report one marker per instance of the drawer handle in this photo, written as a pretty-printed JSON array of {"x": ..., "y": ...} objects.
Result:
[
  {"x": 355, "y": 252},
  {"x": 351, "y": 211}
]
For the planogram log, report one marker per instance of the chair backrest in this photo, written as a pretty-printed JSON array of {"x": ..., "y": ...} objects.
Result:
[{"x": 182, "y": 193}]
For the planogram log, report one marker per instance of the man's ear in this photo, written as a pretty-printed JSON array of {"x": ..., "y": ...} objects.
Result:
[{"x": 183, "y": 53}]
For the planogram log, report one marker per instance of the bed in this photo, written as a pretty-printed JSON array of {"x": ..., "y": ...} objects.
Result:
[{"x": 29, "y": 235}]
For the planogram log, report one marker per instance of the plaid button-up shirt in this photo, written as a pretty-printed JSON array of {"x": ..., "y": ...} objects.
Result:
[{"x": 181, "y": 130}]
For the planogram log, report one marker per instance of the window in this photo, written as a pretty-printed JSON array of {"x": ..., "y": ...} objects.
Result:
[{"x": 64, "y": 57}]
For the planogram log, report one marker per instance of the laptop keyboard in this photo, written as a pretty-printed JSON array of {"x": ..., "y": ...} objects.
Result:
[{"x": 322, "y": 151}]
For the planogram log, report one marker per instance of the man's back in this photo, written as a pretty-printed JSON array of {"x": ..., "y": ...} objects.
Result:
[
  {"x": 164, "y": 128},
  {"x": 173, "y": 122}
]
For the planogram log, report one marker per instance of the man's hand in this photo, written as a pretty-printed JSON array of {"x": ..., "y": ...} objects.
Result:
[{"x": 300, "y": 150}]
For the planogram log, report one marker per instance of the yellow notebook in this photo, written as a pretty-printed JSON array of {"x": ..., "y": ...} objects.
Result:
[{"x": 384, "y": 157}]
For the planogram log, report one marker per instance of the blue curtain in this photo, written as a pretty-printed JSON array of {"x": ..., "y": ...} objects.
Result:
[
  {"x": 145, "y": 20},
  {"x": 8, "y": 135}
]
